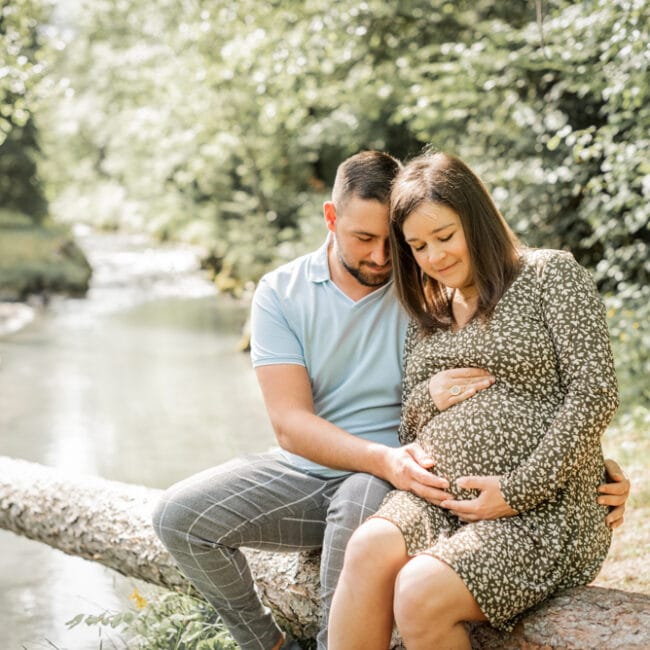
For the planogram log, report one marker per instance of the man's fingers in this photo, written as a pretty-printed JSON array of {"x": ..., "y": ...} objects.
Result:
[
  {"x": 615, "y": 517},
  {"x": 615, "y": 524},
  {"x": 431, "y": 495},
  {"x": 614, "y": 488},
  {"x": 611, "y": 500},
  {"x": 418, "y": 470},
  {"x": 427, "y": 479},
  {"x": 614, "y": 470},
  {"x": 420, "y": 456}
]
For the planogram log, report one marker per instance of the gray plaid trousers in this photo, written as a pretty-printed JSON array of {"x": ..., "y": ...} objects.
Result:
[{"x": 260, "y": 502}]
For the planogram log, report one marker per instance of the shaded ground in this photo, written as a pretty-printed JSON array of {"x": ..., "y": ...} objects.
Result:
[{"x": 628, "y": 563}]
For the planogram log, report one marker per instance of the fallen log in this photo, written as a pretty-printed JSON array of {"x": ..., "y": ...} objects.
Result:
[{"x": 109, "y": 522}]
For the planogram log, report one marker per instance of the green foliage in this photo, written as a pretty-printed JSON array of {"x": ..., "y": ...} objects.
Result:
[
  {"x": 629, "y": 319},
  {"x": 223, "y": 124},
  {"x": 555, "y": 117},
  {"x": 215, "y": 122},
  {"x": 170, "y": 621},
  {"x": 38, "y": 259},
  {"x": 20, "y": 72}
]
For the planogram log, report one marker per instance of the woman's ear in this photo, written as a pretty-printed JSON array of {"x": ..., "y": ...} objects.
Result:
[{"x": 329, "y": 211}]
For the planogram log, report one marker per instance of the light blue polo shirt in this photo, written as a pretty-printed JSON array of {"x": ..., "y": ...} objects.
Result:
[{"x": 352, "y": 350}]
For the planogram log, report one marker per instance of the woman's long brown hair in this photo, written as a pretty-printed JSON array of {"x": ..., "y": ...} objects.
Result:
[{"x": 494, "y": 250}]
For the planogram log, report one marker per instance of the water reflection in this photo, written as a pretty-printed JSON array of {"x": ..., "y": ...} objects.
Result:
[{"x": 137, "y": 383}]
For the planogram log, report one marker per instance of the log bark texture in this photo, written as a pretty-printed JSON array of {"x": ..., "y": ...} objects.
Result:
[{"x": 109, "y": 522}]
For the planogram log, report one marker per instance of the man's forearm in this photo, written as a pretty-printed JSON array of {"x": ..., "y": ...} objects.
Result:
[
  {"x": 322, "y": 442},
  {"x": 406, "y": 468}
]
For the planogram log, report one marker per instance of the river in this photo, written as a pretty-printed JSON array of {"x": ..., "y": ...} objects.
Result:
[{"x": 139, "y": 382}]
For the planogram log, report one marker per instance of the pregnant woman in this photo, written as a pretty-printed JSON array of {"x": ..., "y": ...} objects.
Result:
[{"x": 534, "y": 320}]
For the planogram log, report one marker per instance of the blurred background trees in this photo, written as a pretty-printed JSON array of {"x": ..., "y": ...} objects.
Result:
[
  {"x": 223, "y": 123},
  {"x": 21, "y": 67}
]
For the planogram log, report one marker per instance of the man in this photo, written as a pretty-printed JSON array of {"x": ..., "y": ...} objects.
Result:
[{"x": 327, "y": 335}]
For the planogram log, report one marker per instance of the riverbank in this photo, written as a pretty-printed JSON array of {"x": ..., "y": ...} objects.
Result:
[
  {"x": 37, "y": 260},
  {"x": 14, "y": 316},
  {"x": 140, "y": 382}
]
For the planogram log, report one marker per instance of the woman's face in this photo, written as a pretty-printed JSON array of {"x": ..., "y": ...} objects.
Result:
[{"x": 436, "y": 237}]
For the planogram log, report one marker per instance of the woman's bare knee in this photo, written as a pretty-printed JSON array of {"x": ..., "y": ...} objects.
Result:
[
  {"x": 376, "y": 545},
  {"x": 430, "y": 599}
]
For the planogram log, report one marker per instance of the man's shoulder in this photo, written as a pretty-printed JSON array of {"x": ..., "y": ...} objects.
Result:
[
  {"x": 297, "y": 274},
  {"x": 296, "y": 266}
]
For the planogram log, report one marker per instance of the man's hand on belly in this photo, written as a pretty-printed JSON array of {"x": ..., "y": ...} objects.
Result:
[
  {"x": 409, "y": 469},
  {"x": 490, "y": 503}
]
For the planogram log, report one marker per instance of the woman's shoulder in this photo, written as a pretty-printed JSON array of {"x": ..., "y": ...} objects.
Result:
[
  {"x": 557, "y": 268},
  {"x": 542, "y": 260},
  {"x": 542, "y": 256}
]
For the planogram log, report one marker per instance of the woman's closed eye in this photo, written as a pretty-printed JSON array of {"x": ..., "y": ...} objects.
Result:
[{"x": 420, "y": 247}]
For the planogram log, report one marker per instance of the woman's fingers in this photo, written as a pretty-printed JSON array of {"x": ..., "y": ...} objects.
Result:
[
  {"x": 466, "y": 373},
  {"x": 470, "y": 388},
  {"x": 448, "y": 387},
  {"x": 465, "y": 388}
]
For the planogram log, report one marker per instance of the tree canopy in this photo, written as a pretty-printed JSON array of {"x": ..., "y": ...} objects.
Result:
[
  {"x": 21, "y": 68},
  {"x": 224, "y": 123}
]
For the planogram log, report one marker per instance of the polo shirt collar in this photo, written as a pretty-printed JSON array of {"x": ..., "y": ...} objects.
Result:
[{"x": 319, "y": 268}]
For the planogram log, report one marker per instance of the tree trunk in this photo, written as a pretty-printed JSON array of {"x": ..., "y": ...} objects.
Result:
[{"x": 109, "y": 522}]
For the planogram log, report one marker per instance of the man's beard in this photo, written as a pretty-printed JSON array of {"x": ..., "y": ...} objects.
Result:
[{"x": 366, "y": 279}]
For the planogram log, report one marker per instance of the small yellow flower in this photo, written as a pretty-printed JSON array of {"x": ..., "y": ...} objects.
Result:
[{"x": 139, "y": 600}]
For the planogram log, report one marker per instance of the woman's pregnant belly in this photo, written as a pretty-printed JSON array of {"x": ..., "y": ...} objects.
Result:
[{"x": 487, "y": 434}]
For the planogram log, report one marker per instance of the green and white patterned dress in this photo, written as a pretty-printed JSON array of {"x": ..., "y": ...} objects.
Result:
[{"x": 538, "y": 428}]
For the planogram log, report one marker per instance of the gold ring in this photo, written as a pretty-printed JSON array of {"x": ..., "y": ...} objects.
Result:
[{"x": 455, "y": 389}]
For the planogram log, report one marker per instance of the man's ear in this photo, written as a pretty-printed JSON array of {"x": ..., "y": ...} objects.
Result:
[{"x": 330, "y": 215}]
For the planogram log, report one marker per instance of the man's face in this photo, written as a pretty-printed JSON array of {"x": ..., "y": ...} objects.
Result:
[{"x": 360, "y": 232}]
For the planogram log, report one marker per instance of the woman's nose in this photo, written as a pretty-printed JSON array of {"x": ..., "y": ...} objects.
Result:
[{"x": 435, "y": 254}]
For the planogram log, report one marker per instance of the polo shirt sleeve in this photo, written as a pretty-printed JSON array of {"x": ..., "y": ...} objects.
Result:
[{"x": 273, "y": 340}]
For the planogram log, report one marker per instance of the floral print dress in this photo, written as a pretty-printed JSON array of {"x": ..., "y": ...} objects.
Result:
[{"x": 538, "y": 428}]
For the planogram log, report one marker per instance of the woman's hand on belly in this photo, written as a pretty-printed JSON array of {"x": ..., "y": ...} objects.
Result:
[
  {"x": 489, "y": 504},
  {"x": 448, "y": 387}
]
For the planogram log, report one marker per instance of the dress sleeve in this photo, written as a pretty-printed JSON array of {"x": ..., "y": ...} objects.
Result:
[
  {"x": 575, "y": 318},
  {"x": 417, "y": 405},
  {"x": 273, "y": 340}
]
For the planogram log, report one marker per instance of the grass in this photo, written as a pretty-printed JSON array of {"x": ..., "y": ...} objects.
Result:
[
  {"x": 38, "y": 259},
  {"x": 628, "y": 442},
  {"x": 165, "y": 621}
]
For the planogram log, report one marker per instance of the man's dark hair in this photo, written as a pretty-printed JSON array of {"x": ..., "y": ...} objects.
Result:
[{"x": 367, "y": 175}]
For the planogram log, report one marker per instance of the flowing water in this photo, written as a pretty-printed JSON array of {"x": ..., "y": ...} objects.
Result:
[{"x": 140, "y": 382}]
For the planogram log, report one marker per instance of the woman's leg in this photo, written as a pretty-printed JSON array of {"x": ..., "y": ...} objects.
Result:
[
  {"x": 431, "y": 603},
  {"x": 356, "y": 498},
  {"x": 361, "y": 617}
]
